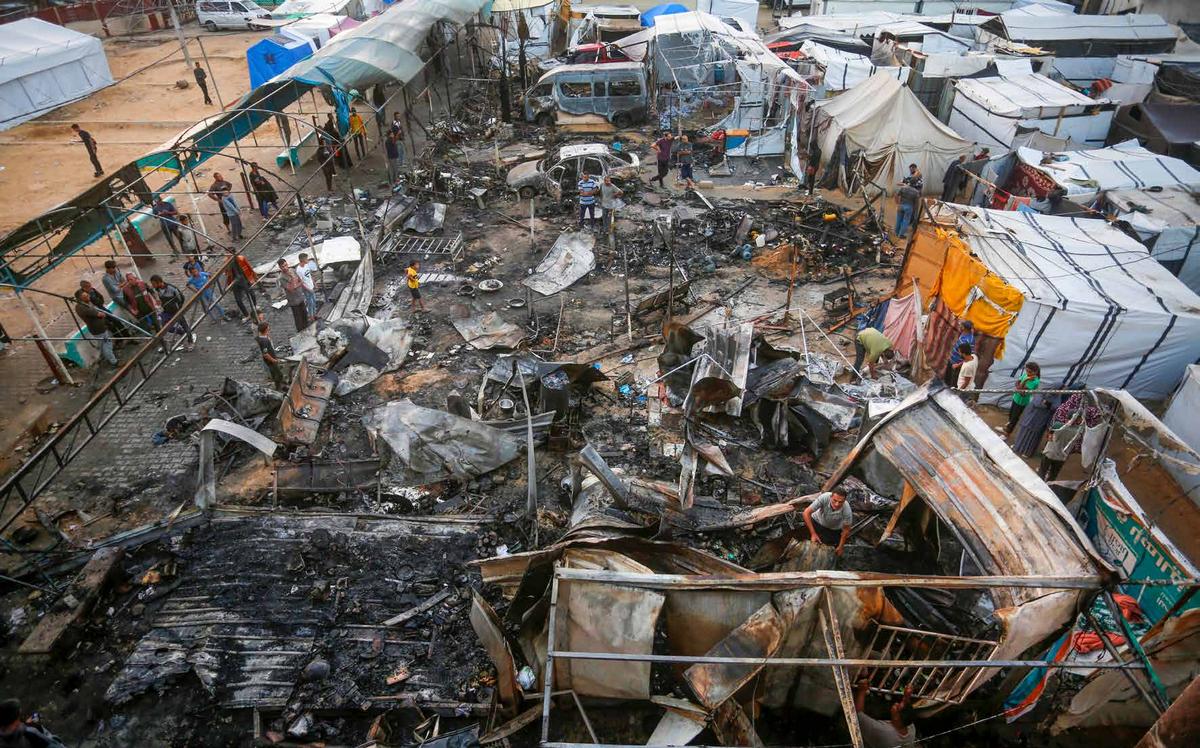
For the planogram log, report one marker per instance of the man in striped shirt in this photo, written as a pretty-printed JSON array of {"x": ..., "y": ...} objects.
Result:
[{"x": 588, "y": 188}]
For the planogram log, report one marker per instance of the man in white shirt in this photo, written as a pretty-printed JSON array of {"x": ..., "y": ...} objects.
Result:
[
  {"x": 970, "y": 365},
  {"x": 307, "y": 270},
  {"x": 897, "y": 732},
  {"x": 829, "y": 519}
]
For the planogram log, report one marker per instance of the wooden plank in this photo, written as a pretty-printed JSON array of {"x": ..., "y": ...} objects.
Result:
[
  {"x": 418, "y": 610},
  {"x": 86, "y": 589}
]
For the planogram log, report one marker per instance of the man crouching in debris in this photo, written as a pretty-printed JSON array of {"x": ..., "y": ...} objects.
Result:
[
  {"x": 897, "y": 732},
  {"x": 18, "y": 734},
  {"x": 829, "y": 519}
]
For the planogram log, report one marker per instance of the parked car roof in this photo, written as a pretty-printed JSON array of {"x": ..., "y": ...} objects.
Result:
[{"x": 582, "y": 149}]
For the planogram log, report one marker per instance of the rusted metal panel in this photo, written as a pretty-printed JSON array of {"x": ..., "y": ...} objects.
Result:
[
  {"x": 605, "y": 618},
  {"x": 304, "y": 406},
  {"x": 487, "y": 628},
  {"x": 1179, "y": 726},
  {"x": 759, "y": 636},
  {"x": 1000, "y": 510},
  {"x": 733, "y": 727}
]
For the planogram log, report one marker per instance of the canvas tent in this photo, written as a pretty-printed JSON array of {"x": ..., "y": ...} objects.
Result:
[
  {"x": 1180, "y": 417},
  {"x": 1087, "y": 36},
  {"x": 1085, "y": 174},
  {"x": 1169, "y": 129},
  {"x": 43, "y": 66},
  {"x": 1075, "y": 295},
  {"x": 883, "y": 121},
  {"x": 991, "y": 111},
  {"x": 269, "y": 57},
  {"x": 743, "y": 11},
  {"x": 1168, "y": 223},
  {"x": 386, "y": 48},
  {"x": 845, "y": 70}
]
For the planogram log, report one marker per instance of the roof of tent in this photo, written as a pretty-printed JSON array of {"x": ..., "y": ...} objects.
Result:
[
  {"x": 881, "y": 113},
  {"x": 1075, "y": 262},
  {"x": 1152, "y": 212},
  {"x": 1037, "y": 23},
  {"x": 58, "y": 65},
  {"x": 751, "y": 47},
  {"x": 1122, "y": 166},
  {"x": 273, "y": 55},
  {"x": 31, "y": 45},
  {"x": 384, "y": 49},
  {"x": 1021, "y": 95}
]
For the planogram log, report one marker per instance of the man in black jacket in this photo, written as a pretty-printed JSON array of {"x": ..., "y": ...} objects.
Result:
[{"x": 202, "y": 81}]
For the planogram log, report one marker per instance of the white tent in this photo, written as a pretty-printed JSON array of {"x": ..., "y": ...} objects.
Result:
[
  {"x": 1180, "y": 417},
  {"x": 886, "y": 123},
  {"x": 1085, "y": 174},
  {"x": 991, "y": 111},
  {"x": 1168, "y": 223},
  {"x": 845, "y": 70},
  {"x": 1098, "y": 310},
  {"x": 43, "y": 66},
  {"x": 745, "y": 11}
]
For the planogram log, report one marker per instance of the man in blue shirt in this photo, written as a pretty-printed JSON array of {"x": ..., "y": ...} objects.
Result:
[
  {"x": 196, "y": 279},
  {"x": 395, "y": 157},
  {"x": 588, "y": 188},
  {"x": 950, "y": 377},
  {"x": 230, "y": 209}
]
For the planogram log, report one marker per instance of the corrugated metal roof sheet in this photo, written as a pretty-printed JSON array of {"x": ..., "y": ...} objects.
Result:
[{"x": 1000, "y": 510}]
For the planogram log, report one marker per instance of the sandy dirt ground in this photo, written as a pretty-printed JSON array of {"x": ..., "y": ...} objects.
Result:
[{"x": 44, "y": 164}]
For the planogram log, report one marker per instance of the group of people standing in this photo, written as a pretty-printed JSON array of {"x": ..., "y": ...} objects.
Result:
[{"x": 666, "y": 148}]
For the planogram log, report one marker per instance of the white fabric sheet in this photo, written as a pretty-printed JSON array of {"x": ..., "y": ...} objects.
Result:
[
  {"x": 844, "y": 70},
  {"x": 1167, "y": 222},
  {"x": 990, "y": 110},
  {"x": 1180, "y": 417}
]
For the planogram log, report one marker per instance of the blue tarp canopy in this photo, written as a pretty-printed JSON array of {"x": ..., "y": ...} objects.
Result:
[
  {"x": 665, "y": 9},
  {"x": 273, "y": 55}
]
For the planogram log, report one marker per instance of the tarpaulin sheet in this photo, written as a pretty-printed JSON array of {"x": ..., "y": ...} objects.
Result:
[
  {"x": 385, "y": 49},
  {"x": 271, "y": 56},
  {"x": 1097, "y": 309},
  {"x": 431, "y": 445},
  {"x": 1084, "y": 174},
  {"x": 1167, "y": 222}
]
